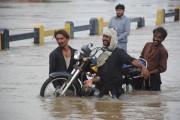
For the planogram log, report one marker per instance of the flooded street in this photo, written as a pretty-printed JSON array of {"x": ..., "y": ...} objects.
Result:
[{"x": 24, "y": 67}]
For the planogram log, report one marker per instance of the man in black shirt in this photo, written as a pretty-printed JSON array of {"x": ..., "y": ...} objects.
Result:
[
  {"x": 61, "y": 58},
  {"x": 109, "y": 66}
]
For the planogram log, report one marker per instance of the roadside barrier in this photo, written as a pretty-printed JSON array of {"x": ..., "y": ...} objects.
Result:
[
  {"x": 38, "y": 36},
  {"x": 95, "y": 27},
  {"x": 101, "y": 24},
  {"x": 92, "y": 26},
  {"x": 4, "y": 39},
  {"x": 0, "y": 41},
  {"x": 161, "y": 15},
  {"x": 140, "y": 21}
]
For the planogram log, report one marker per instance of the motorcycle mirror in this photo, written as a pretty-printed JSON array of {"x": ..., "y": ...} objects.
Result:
[
  {"x": 86, "y": 49},
  {"x": 90, "y": 45}
]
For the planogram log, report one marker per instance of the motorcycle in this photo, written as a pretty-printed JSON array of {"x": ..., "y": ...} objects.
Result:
[{"x": 71, "y": 84}]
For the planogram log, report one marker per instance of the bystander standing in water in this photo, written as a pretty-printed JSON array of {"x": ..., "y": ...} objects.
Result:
[
  {"x": 156, "y": 56},
  {"x": 62, "y": 57},
  {"x": 122, "y": 26}
]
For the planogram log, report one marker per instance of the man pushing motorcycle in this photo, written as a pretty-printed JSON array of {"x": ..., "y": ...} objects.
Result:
[{"x": 109, "y": 77}]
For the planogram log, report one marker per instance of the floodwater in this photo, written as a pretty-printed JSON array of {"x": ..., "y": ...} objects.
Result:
[{"x": 24, "y": 67}]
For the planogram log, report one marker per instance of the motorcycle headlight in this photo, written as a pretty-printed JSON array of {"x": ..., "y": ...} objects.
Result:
[{"x": 77, "y": 55}]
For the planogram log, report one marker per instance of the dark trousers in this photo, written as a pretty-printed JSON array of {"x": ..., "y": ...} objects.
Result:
[
  {"x": 152, "y": 83},
  {"x": 155, "y": 82},
  {"x": 114, "y": 90}
]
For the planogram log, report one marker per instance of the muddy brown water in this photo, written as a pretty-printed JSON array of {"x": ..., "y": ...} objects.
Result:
[{"x": 24, "y": 67}]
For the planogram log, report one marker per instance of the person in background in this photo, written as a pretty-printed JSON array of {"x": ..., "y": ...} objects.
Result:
[
  {"x": 109, "y": 63},
  {"x": 122, "y": 26},
  {"x": 156, "y": 56}
]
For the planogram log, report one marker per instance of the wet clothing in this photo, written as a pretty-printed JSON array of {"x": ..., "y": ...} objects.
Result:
[
  {"x": 156, "y": 57},
  {"x": 57, "y": 61},
  {"x": 122, "y": 27},
  {"x": 67, "y": 60},
  {"x": 110, "y": 72},
  {"x": 104, "y": 56},
  {"x": 153, "y": 84}
]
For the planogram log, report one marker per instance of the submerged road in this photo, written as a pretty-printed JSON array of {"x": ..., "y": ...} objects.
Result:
[{"x": 25, "y": 67}]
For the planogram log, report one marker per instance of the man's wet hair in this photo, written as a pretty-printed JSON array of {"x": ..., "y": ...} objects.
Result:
[
  {"x": 161, "y": 30},
  {"x": 63, "y": 32},
  {"x": 120, "y": 6}
]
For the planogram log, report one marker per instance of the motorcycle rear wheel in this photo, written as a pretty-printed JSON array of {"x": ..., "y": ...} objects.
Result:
[
  {"x": 48, "y": 88},
  {"x": 128, "y": 87}
]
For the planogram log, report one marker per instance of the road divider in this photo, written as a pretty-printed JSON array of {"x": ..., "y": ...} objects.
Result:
[{"x": 95, "y": 26}]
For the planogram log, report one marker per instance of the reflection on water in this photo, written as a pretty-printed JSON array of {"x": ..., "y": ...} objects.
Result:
[
  {"x": 70, "y": 108},
  {"x": 144, "y": 111},
  {"x": 29, "y": 1},
  {"x": 107, "y": 110},
  {"x": 83, "y": 108},
  {"x": 101, "y": 109},
  {"x": 32, "y": 0},
  {"x": 44, "y": 1}
]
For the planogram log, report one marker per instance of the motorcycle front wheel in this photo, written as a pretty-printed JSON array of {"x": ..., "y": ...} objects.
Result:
[{"x": 52, "y": 87}]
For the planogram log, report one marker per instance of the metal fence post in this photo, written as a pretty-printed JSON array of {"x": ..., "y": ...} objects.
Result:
[
  {"x": 0, "y": 41},
  {"x": 40, "y": 30},
  {"x": 177, "y": 17},
  {"x": 141, "y": 22},
  {"x": 5, "y": 39},
  {"x": 94, "y": 26},
  {"x": 160, "y": 16},
  {"x": 70, "y": 25},
  {"x": 100, "y": 25},
  {"x": 68, "y": 28}
]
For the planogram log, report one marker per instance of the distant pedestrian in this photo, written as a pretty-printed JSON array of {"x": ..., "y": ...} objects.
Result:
[{"x": 122, "y": 26}]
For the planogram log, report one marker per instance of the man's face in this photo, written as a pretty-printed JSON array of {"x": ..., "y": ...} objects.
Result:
[
  {"x": 119, "y": 12},
  {"x": 106, "y": 40},
  {"x": 157, "y": 38},
  {"x": 61, "y": 40}
]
